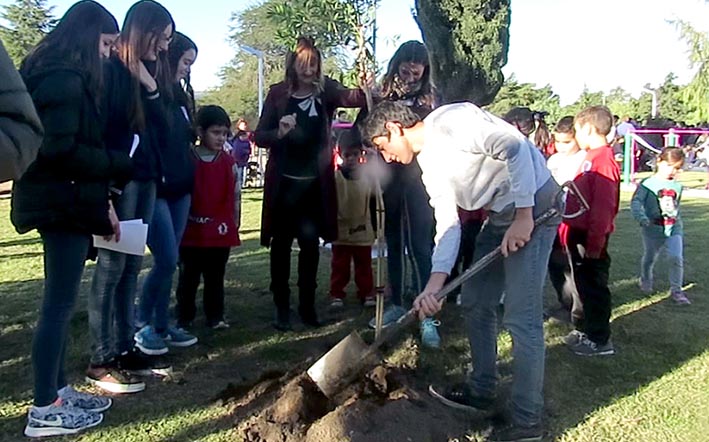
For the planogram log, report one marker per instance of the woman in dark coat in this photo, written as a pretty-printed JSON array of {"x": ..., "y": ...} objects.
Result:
[
  {"x": 299, "y": 195},
  {"x": 64, "y": 195}
]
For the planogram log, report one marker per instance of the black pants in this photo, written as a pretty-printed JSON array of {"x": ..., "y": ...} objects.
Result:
[
  {"x": 468, "y": 234},
  {"x": 64, "y": 256},
  {"x": 408, "y": 226},
  {"x": 195, "y": 263},
  {"x": 561, "y": 276},
  {"x": 591, "y": 276},
  {"x": 297, "y": 216}
]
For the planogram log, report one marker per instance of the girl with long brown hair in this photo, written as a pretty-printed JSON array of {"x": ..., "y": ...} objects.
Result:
[
  {"x": 137, "y": 77},
  {"x": 64, "y": 195}
]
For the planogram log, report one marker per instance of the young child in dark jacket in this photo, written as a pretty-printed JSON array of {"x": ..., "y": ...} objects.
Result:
[
  {"x": 211, "y": 229},
  {"x": 587, "y": 239}
]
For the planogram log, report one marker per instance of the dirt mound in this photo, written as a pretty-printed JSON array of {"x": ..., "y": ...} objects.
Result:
[{"x": 384, "y": 405}]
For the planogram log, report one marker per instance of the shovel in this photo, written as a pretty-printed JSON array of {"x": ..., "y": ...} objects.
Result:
[{"x": 351, "y": 356}]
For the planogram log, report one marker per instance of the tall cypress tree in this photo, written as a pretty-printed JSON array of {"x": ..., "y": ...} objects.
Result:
[
  {"x": 29, "y": 21},
  {"x": 467, "y": 41}
]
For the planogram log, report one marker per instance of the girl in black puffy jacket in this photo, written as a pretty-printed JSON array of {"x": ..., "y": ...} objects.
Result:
[{"x": 64, "y": 195}]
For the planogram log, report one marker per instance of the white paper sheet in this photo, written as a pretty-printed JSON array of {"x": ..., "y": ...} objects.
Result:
[
  {"x": 134, "y": 147},
  {"x": 134, "y": 235}
]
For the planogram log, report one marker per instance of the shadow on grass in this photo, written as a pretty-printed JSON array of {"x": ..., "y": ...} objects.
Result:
[
  {"x": 240, "y": 354},
  {"x": 21, "y": 242},
  {"x": 650, "y": 343},
  {"x": 26, "y": 255}
]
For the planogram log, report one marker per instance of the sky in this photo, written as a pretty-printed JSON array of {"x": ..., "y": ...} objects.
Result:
[{"x": 569, "y": 44}]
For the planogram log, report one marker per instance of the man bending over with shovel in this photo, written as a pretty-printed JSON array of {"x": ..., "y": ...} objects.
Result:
[{"x": 474, "y": 160}]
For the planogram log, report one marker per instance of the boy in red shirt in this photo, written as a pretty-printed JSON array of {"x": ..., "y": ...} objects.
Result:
[
  {"x": 587, "y": 238},
  {"x": 211, "y": 227}
]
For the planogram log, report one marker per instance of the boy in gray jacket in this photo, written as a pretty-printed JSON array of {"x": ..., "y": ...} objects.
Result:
[
  {"x": 472, "y": 159},
  {"x": 20, "y": 128}
]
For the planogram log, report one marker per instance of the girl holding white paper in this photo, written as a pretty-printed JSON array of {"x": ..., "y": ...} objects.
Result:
[
  {"x": 64, "y": 195},
  {"x": 137, "y": 78}
]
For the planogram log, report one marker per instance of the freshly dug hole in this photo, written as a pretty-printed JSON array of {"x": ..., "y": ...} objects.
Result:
[{"x": 384, "y": 405}]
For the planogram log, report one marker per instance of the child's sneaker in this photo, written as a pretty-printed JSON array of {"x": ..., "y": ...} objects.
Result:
[
  {"x": 429, "y": 333},
  {"x": 336, "y": 303},
  {"x": 221, "y": 325},
  {"x": 150, "y": 342},
  {"x": 370, "y": 301},
  {"x": 88, "y": 402},
  {"x": 391, "y": 315},
  {"x": 679, "y": 297},
  {"x": 645, "y": 286},
  {"x": 586, "y": 347},
  {"x": 178, "y": 337},
  {"x": 59, "y": 419}
]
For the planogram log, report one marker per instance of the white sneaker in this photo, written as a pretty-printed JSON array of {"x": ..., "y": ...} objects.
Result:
[
  {"x": 60, "y": 419},
  {"x": 87, "y": 402}
]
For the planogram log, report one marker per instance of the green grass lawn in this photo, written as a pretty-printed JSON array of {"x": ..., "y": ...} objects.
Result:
[{"x": 656, "y": 389}]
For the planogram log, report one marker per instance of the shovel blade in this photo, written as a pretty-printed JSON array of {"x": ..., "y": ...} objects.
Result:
[{"x": 337, "y": 368}]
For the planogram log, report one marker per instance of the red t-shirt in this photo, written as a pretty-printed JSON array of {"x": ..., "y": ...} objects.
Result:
[
  {"x": 211, "y": 220},
  {"x": 599, "y": 182}
]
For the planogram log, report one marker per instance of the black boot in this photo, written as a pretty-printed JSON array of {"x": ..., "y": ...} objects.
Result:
[
  {"x": 282, "y": 322},
  {"x": 308, "y": 316},
  {"x": 281, "y": 299}
]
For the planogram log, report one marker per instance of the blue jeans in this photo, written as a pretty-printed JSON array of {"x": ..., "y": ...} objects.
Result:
[
  {"x": 653, "y": 244},
  {"x": 164, "y": 237},
  {"x": 64, "y": 256},
  {"x": 521, "y": 276},
  {"x": 408, "y": 226},
  {"x": 113, "y": 289}
]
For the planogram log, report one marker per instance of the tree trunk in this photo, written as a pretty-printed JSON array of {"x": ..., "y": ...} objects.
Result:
[{"x": 467, "y": 41}]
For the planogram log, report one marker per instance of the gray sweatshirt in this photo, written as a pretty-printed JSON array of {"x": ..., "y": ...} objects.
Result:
[{"x": 473, "y": 159}]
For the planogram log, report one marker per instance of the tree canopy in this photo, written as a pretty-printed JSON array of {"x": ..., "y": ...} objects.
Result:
[
  {"x": 29, "y": 21},
  {"x": 467, "y": 41}
]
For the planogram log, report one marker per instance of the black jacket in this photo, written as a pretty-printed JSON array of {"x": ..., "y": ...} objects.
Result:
[
  {"x": 177, "y": 162},
  {"x": 118, "y": 136},
  {"x": 66, "y": 188}
]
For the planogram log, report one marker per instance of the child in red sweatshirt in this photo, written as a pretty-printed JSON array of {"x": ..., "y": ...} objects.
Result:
[
  {"x": 211, "y": 228},
  {"x": 587, "y": 239}
]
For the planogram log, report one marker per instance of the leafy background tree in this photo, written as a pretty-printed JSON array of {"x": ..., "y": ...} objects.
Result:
[
  {"x": 273, "y": 27},
  {"x": 467, "y": 42},
  {"x": 28, "y": 21}
]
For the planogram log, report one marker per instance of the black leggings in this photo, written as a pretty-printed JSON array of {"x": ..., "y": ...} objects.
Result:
[{"x": 64, "y": 257}]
